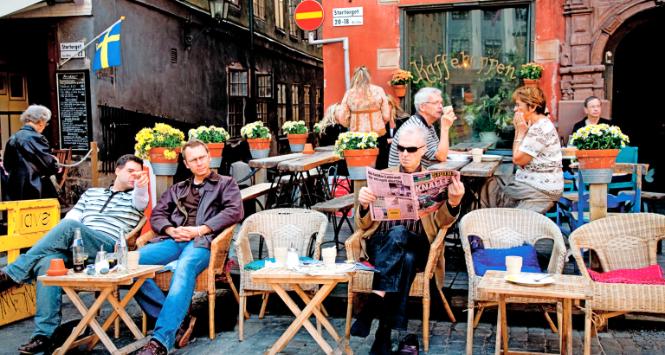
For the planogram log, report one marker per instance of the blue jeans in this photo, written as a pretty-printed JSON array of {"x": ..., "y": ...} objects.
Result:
[
  {"x": 54, "y": 244},
  {"x": 171, "y": 309}
]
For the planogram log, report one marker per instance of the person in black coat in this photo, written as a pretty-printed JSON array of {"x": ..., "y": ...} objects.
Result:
[{"x": 28, "y": 158}]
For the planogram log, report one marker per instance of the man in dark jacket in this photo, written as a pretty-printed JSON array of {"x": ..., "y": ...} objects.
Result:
[
  {"x": 28, "y": 158},
  {"x": 186, "y": 219}
]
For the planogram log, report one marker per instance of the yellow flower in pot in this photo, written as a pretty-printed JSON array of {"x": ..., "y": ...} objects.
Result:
[
  {"x": 359, "y": 150},
  {"x": 399, "y": 79},
  {"x": 597, "y": 149},
  {"x": 160, "y": 145}
]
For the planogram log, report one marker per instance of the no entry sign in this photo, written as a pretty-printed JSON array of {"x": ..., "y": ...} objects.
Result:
[{"x": 308, "y": 15}]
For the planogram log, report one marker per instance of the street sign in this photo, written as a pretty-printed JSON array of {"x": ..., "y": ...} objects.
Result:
[
  {"x": 348, "y": 16},
  {"x": 309, "y": 15},
  {"x": 71, "y": 50}
]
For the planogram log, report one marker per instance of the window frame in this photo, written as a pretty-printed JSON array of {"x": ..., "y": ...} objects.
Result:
[{"x": 230, "y": 83}]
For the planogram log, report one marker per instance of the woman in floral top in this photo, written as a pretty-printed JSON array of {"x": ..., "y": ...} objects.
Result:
[
  {"x": 538, "y": 182},
  {"x": 365, "y": 107}
]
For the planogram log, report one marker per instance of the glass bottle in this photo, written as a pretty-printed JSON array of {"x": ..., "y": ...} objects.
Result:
[
  {"x": 78, "y": 252},
  {"x": 121, "y": 252}
]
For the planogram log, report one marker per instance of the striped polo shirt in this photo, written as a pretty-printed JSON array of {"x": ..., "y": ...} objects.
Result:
[
  {"x": 108, "y": 211},
  {"x": 429, "y": 157}
]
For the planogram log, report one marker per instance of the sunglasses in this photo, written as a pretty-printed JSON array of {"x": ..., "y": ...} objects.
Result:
[{"x": 408, "y": 149}]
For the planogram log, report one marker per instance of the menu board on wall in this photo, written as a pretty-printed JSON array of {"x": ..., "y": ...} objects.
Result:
[{"x": 74, "y": 109}]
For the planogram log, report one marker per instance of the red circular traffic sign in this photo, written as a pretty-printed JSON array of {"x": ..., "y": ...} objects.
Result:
[{"x": 309, "y": 15}]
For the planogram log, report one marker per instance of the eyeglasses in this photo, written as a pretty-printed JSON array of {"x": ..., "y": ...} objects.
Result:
[
  {"x": 436, "y": 103},
  {"x": 408, "y": 149}
]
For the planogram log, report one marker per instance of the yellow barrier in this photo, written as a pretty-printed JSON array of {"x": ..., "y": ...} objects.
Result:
[{"x": 27, "y": 222}]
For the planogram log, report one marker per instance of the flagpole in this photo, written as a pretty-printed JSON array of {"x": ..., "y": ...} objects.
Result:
[{"x": 92, "y": 41}]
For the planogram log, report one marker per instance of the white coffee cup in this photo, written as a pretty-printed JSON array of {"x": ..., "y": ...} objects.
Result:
[
  {"x": 513, "y": 264},
  {"x": 329, "y": 255},
  {"x": 477, "y": 154},
  {"x": 133, "y": 260},
  {"x": 280, "y": 255}
]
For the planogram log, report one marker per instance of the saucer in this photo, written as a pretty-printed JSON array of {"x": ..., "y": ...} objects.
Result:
[{"x": 530, "y": 279}]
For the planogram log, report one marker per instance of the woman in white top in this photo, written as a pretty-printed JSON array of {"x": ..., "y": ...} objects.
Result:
[{"x": 538, "y": 181}]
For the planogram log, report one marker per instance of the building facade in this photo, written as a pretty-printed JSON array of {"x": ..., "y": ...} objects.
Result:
[{"x": 183, "y": 62}]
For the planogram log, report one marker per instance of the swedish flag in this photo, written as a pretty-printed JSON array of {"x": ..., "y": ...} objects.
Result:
[{"x": 107, "y": 53}]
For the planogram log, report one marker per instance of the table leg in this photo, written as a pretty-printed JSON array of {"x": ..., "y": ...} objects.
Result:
[
  {"x": 317, "y": 312},
  {"x": 125, "y": 317},
  {"x": 567, "y": 329},
  {"x": 302, "y": 318},
  {"x": 504, "y": 323},
  {"x": 88, "y": 319},
  {"x": 499, "y": 332},
  {"x": 587, "y": 328}
]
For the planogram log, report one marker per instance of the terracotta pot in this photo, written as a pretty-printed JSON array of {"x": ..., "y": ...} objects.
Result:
[
  {"x": 597, "y": 165},
  {"x": 531, "y": 82},
  {"x": 308, "y": 149},
  {"x": 162, "y": 165},
  {"x": 215, "y": 154},
  {"x": 297, "y": 141},
  {"x": 357, "y": 160},
  {"x": 259, "y": 147},
  {"x": 400, "y": 90},
  {"x": 56, "y": 268}
]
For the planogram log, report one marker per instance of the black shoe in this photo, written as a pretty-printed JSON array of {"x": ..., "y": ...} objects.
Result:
[
  {"x": 38, "y": 344},
  {"x": 152, "y": 348},
  {"x": 6, "y": 282},
  {"x": 382, "y": 343},
  {"x": 408, "y": 345},
  {"x": 360, "y": 328},
  {"x": 185, "y": 331},
  {"x": 363, "y": 323}
]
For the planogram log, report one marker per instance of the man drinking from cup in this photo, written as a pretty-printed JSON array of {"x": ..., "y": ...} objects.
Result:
[{"x": 399, "y": 249}]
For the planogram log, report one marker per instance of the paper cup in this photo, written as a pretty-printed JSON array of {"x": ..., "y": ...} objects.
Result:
[
  {"x": 329, "y": 255},
  {"x": 133, "y": 260},
  {"x": 280, "y": 255},
  {"x": 513, "y": 265},
  {"x": 447, "y": 110},
  {"x": 477, "y": 154}
]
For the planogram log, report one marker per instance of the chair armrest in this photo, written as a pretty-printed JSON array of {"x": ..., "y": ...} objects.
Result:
[
  {"x": 436, "y": 251},
  {"x": 243, "y": 249},
  {"x": 144, "y": 239},
  {"x": 133, "y": 235},
  {"x": 219, "y": 250},
  {"x": 353, "y": 246}
]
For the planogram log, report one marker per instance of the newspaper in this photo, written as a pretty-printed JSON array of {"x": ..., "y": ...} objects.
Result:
[{"x": 407, "y": 196}]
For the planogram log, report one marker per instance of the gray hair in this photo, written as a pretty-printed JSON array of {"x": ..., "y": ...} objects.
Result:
[
  {"x": 423, "y": 95},
  {"x": 36, "y": 114},
  {"x": 419, "y": 131}
]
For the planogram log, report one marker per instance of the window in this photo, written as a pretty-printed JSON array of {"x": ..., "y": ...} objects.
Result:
[
  {"x": 306, "y": 104},
  {"x": 317, "y": 105},
  {"x": 235, "y": 116},
  {"x": 234, "y": 2},
  {"x": 279, "y": 14},
  {"x": 262, "y": 110},
  {"x": 264, "y": 84},
  {"x": 293, "y": 28},
  {"x": 238, "y": 83},
  {"x": 295, "y": 103},
  {"x": 472, "y": 55},
  {"x": 260, "y": 9},
  {"x": 281, "y": 104}
]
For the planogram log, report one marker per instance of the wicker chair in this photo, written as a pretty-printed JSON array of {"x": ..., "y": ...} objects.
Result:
[
  {"x": 205, "y": 281},
  {"x": 362, "y": 281},
  {"x": 624, "y": 241},
  {"x": 531, "y": 226},
  {"x": 282, "y": 227}
]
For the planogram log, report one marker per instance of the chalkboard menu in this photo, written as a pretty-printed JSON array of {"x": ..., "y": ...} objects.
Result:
[{"x": 74, "y": 109}]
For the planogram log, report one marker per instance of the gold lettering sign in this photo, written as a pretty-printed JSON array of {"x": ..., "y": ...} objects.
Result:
[
  {"x": 438, "y": 69},
  {"x": 34, "y": 220}
]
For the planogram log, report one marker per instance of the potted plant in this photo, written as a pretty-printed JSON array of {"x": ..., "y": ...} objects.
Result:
[
  {"x": 488, "y": 117},
  {"x": 161, "y": 146},
  {"x": 359, "y": 150},
  {"x": 258, "y": 137},
  {"x": 399, "y": 80},
  {"x": 530, "y": 73},
  {"x": 214, "y": 137},
  {"x": 597, "y": 149},
  {"x": 296, "y": 132}
]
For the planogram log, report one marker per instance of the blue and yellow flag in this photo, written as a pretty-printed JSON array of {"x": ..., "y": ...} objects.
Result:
[{"x": 107, "y": 53}]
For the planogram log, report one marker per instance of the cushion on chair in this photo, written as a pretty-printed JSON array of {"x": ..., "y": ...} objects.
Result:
[
  {"x": 650, "y": 275},
  {"x": 504, "y": 237},
  {"x": 495, "y": 259}
]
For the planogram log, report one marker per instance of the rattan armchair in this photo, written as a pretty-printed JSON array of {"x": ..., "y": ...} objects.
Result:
[
  {"x": 626, "y": 241},
  {"x": 205, "y": 281},
  {"x": 532, "y": 226},
  {"x": 362, "y": 281},
  {"x": 282, "y": 227}
]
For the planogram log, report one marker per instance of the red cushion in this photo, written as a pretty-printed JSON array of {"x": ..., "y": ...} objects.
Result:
[{"x": 650, "y": 275}]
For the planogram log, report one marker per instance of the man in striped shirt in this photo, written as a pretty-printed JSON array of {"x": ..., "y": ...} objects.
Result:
[
  {"x": 102, "y": 215},
  {"x": 429, "y": 107}
]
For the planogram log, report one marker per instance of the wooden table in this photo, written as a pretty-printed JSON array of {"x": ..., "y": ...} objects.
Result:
[
  {"x": 464, "y": 146},
  {"x": 278, "y": 277},
  {"x": 325, "y": 148},
  {"x": 469, "y": 168},
  {"x": 272, "y": 162},
  {"x": 299, "y": 171},
  {"x": 106, "y": 285},
  {"x": 565, "y": 289}
]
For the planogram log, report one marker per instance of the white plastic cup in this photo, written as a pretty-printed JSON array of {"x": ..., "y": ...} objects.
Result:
[
  {"x": 329, "y": 255},
  {"x": 513, "y": 265},
  {"x": 280, "y": 255},
  {"x": 477, "y": 154},
  {"x": 133, "y": 260}
]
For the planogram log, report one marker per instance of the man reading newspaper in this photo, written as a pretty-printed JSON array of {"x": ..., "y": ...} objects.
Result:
[{"x": 399, "y": 249}]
